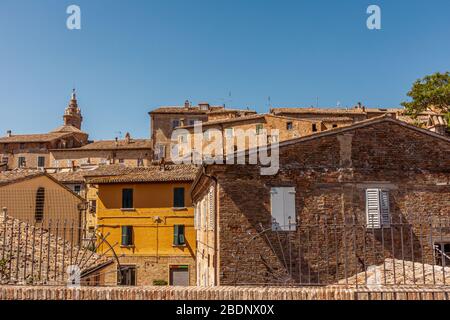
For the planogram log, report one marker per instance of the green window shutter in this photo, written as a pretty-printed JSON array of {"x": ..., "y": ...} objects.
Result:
[
  {"x": 178, "y": 198},
  {"x": 175, "y": 235},
  {"x": 127, "y": 235},
  {"x": 181, "y": 240}
]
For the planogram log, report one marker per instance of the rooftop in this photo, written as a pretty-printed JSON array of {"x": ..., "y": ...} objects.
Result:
[
  {"x": 317, "y": 110},
  {"x": 155, "y": 173},
  {"x": 7, "y": 177},
  {"x": 133, "y": 144},
  {"x": 43, "y": 137}
]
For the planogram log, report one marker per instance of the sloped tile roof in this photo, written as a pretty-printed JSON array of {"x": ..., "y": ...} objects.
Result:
[
  {"x": 24, "y": 138},
  {"x": 316, "y": 111},
  {"x": 155, "y": 173},
  {"x": 134, "y": 144},
  {"x": 7, "y": 177}
]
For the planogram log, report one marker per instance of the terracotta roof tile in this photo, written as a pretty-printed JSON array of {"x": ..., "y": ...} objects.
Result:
[
  {"x": 113, "y": 145},
  {"x": 44, "y": 137},
  {"x": 115, "y": 174},
  {"x": 7, "y": 177},
  {"x": 316, "y": 111},
  {"x": 196, "y": 110}
]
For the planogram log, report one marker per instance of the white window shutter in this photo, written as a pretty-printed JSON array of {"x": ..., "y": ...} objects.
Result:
[
  {"x": 282, "y": 202},
  {"x": 373, "y": 208},
  {"x": 211, "y": 209},
  {"x": 384, "y": 208},
  {"x": 277, "y": 208},
  {"x": 290, "y": 220}
]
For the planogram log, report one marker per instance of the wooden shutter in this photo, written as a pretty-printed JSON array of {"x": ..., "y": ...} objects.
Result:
[
  {"x": 384, "y": 208},
  {"x": 373, "y": 208},
  {"x": 212, "y": 207},
  {"x": 277, "y": 208},
  {"x": 290, "y": 220},
  {"x": 181, "y": 237},
  {"x": 125, "y": 235},
  {"x": 175, "y": 235}
]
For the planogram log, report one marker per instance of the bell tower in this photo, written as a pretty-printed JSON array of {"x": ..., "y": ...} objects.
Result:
[{"x": 72, "y": 115}]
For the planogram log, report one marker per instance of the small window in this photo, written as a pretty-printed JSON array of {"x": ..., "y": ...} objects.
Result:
[
  {"x": 127, "y": 198},
  {"x": 175, "y": 124},
  {"x": 314, "y": 127},
  {"x": 21, "y": 162},
  {"x": 126, "y": 276},
  {"x": 93, "y": 206},
  {"x": 127, "y": 236},
  {"x": 192, "y": 122},
  {"x": 5, "y": 159},
  {"x": 289, "y": 125},
  {"x": 77, "y": 189},
  {"x": 335, "y": 125},
  {"x": 40, "y": 203},
  {"x": 442, "y": 254},
  {"x": 178, "y": 235},
  {"x": 121, "y": 161},
  {"x": 259, "y": 129},
  {"x": 178, "y": 198},
  {"x": 229, "y": 132},
  {"x": 140, "y": 162},
  {"x": 377, "y": 208},
  {"x": 22, "y": 146},
  {"x": 41, "y": 162},
  {"x": 282, "y": 202}
]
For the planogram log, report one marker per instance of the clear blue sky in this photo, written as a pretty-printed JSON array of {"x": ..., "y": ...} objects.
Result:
[{"x": 131, "y": 56}]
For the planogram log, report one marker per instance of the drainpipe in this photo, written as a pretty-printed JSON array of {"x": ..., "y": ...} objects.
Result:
[{"x": 216, "y": 207}]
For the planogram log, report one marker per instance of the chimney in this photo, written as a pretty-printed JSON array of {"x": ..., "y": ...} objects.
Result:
[
  {"x": 187, "y": 104},
  {"x": 117, "y": 141},
  {"x": 8, "y": 133},
  {"x": 127, "y": 138}
]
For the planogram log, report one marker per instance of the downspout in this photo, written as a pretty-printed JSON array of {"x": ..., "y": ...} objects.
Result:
[{"x": 216, "y": 207}]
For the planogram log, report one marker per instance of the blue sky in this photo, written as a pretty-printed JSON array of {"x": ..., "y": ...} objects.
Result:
[{"x": 132, "y": 56}]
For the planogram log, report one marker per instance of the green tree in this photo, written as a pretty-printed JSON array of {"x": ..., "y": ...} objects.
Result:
[{"x": 431, "y": 91}]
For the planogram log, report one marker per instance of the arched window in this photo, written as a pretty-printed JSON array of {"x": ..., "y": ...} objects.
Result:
[{"x": 40, "y": 202}]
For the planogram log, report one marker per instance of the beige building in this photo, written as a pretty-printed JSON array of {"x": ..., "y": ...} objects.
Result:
[
  {"x": 31, "y": 151},
  {"x": 165, "y": 119},
  {"x": 39, "y": 199},
  {"x": 131, "y": 152}
]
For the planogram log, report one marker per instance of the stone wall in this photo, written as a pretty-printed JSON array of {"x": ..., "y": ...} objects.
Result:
[
  {"x": 221, "y": 293},
  {"x": 331, "y": 173}
]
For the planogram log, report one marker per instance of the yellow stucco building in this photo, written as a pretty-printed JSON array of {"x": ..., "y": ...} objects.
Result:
[{"x": 147, "y": 215}]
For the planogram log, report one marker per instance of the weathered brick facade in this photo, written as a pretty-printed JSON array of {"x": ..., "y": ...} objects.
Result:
[{"x": 331, "y": 172}]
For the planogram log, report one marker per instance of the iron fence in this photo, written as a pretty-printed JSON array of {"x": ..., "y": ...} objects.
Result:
[{"x": 326, "y": 252}]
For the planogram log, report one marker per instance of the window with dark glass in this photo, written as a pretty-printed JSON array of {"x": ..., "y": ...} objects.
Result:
[
  {"x": 178, "y": 198},
  {"x": 127, "y": 236},
  {"x": 178, "y": 235},
  {"x": 39, "y": 206},
  {"x": 41, "y": 162},
  {"x": 314, "y": 127},
  {"x": 289, "y": 126},
  {"x": 126, "y": 276},
  {"x": 21, "y": 162},
  {"x": 77, "y": 189},
  {"x": 259, "y": 128},
  {"x": 127, "y": 198}
]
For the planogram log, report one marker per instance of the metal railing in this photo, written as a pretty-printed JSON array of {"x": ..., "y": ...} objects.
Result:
[{"x": 326, "y": 252}]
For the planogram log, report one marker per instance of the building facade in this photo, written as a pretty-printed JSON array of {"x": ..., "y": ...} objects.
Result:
[
  {"x": 149, "y": 214},
  {"x": 389, "y": 178}
]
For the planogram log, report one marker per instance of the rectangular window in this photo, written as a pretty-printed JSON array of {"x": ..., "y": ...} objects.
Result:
[
  {"x": 160, "y": 151},
  {"x": 126, "y": 276},
  {"x": 121, "y": 161},
  {"x": 289, "y": 125},
  {"x": 21, "y": 162},
  {"x": 178, "y": 235},
  {"x": 282, "y": 205},
  {"x": 77, "y": 189},
  {"x": 127, "y": 236},
  {"x": 175, "y": 123},
  {"x": 22, "y": 146},
  {"x": 377, "y": 208},
  {"x": 314, "y": 127},
  {"x": 192, "y": 122},
  {"x": 4, "y": 159},
  {"x": 178, "y": 198},
  {"x": 442, "y": 254},
  {"x": 259, "y": 129},
  {"x": 127, "y": 199},
  {"x": 41, "y": 162},
  {"x": 335, "y": 125},
  {"x": 140, "y": 162}
]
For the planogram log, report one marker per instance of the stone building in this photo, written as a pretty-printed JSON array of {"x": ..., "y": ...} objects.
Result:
[
  {"x": 165, "y": 119},
  {"x": 340, "y": 117},
  {"x": 31, "y": 151},
  {"x": 388, "y": 178},
  {"x": 129, "y": 151}
]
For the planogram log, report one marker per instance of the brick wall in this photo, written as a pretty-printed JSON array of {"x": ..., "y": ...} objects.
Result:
[
  {"x": 331, "y": 174},
  {"x": 221, "y": 293}
]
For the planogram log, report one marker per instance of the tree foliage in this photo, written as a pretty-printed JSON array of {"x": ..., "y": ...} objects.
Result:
[{"x": 430, "y": 92}]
